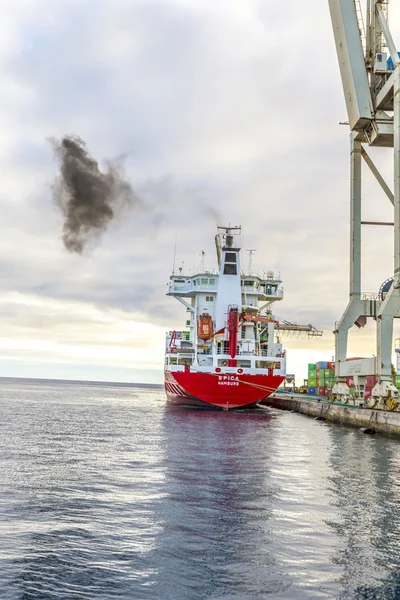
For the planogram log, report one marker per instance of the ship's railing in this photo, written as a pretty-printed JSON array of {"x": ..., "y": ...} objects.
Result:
[
  {"x": 223, "y": 370},
  {"x": 275, "y": 293},
  {"x": 256, "y": 288},
  {"x": 248, "y": 353},
  {"x": 370, "y": 296}
]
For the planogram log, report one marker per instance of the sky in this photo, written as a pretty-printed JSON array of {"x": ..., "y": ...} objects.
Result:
[{"x": 222, "y": 112}]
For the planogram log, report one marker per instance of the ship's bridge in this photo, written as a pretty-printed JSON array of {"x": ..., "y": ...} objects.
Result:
[
  {"x": 254, "y": 288},
  {"x": 188, "y": 286}
]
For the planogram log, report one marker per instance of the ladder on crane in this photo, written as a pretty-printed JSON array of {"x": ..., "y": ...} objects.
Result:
[{"x": 361, "y": 25}]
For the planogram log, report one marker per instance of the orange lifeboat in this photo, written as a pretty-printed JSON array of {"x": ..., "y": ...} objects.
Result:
[{"x": 204, "y": 327}]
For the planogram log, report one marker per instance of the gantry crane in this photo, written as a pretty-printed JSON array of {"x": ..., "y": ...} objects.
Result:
[{"x": 370, "y": 73}]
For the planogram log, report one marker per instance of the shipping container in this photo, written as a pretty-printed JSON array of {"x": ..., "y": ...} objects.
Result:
[
  {"x": 367, "y": 393},
  {"x": 352, "y": 391},
  {"x": 312, "y": 391},
  {"x": 331, "y": 365},
  {"x": 322, "y": 365},
  {"x": 350, "y": 381},
  {"x": 311, "y": 366},
  {"x": 370, "y": 380},
  {"x": 322, "y": 391}
]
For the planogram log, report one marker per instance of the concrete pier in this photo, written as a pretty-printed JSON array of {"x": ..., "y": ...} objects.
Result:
[{"x": 384, "y": 421}]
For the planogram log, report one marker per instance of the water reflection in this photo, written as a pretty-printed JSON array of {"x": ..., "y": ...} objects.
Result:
[
  {"x": 367, "y": 496},
  {"x": 115, "y": 495},
  {"x": 218, "y": 506}
]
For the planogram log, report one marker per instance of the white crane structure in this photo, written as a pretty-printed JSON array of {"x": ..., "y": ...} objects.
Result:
[{"x": 370, "y": 72}]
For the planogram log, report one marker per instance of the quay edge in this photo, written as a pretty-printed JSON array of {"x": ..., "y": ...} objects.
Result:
[{"x": 382, "y": 421}]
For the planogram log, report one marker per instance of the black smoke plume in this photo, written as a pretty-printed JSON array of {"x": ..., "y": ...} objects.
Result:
[{"x": 89, "y": 198}]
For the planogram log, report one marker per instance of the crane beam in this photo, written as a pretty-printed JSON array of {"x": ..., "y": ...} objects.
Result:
[
  {"x": 387, "y": 35},
  {"x": 352, "y": 63},
  {"x": 377, "y": 175}
]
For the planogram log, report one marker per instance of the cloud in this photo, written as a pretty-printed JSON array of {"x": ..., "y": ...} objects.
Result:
[{"x": 224, "y": 111}]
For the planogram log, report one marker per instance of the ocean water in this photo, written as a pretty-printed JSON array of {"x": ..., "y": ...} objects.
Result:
[{"x": 107, "y": 492}]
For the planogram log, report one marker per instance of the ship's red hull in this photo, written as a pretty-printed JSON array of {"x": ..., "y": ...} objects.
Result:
[{"x": 219, "y": 390}]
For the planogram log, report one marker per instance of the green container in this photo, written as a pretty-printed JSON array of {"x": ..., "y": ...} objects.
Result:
[
  {"x": 352, "y": 391},
  {"x": 311, "y": 367}
]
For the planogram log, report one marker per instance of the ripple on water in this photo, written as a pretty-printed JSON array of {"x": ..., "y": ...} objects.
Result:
[{"x": 108, "y": 493}]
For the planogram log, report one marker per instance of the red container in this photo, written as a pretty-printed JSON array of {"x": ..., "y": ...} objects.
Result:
[
  {"x": 322, "y": 391},
  {"x": 350, "y": 381},
  {"x": 367, "y": 393},
  {"x": 331, "y": 365},
  {"x": 370, "y": 381}
]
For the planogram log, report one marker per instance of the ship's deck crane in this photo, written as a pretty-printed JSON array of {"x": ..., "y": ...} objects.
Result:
[
  {"x": 370, "y": 72},
  {"x": 283, "y": 325},
  {"x": 310, "y": 330}
]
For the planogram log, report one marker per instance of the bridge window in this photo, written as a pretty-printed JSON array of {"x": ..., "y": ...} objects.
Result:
[
  {"x": 230, "y": 269},
  {"x": 230, "y": 257}
]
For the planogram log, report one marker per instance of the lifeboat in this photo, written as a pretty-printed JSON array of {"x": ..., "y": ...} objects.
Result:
[{"x": 204, "y": 327}]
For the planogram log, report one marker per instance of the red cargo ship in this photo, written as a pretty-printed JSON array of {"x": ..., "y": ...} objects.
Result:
[{"x": 229, "y": 355}]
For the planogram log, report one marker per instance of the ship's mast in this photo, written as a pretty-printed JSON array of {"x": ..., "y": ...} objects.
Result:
[{"x": 251, "y": 254}]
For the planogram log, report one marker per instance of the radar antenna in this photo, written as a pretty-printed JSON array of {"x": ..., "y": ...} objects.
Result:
[{"x": 251, "y": 254}]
